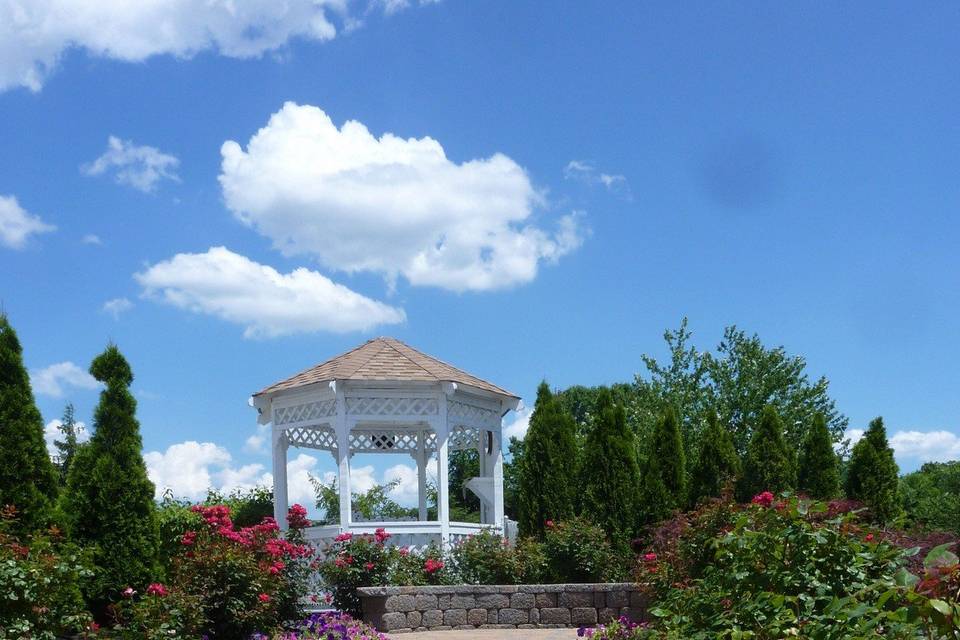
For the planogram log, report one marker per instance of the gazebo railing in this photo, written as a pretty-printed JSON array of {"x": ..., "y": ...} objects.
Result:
[{"x": 417, "y": 535}]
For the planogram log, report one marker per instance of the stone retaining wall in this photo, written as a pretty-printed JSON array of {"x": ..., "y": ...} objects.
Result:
[{"x": 398, "y": 609}]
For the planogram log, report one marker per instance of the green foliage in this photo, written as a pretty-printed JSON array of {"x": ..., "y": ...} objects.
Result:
[
  {"x": 109, "y": 499},
  {"x": 374, "y": 504},
  {"x": 665, "y": 474},
  {"x": 818, "y": 474},
  {"x": 158, "y": 617},
  {"x": 463, "y": 466},
  {"x": 40, "y": 580},
  {"x": 581, "y": 403},
  {"x": 547, "y": 468},
  {"x": 511, "y": 478},
  {"x": 717, "y": 463},
  {"x": 486, "y": 558},
  {"x": 872, "y": 473},
  {"x": 66, "y": 448},
  {"x": 28, "y": 480},
  {"x": 770, "y": 463},
  {"x": 578, "y": 551},
  {"x": 931, "y": 496},
  {"x": 609, "y": 474}
]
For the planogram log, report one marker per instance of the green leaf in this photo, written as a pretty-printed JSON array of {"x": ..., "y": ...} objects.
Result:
[
  {"x": 941, "y": 557},
  {"x": 940, "y": 606},
  {"x": 904, "y": 578}
]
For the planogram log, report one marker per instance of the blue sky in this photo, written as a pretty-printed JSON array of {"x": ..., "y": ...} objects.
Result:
[{"x": 558, "y": 187}]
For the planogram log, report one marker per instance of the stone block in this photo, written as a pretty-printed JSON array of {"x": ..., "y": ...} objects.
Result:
[
  {"x": 414, "y": 619},
  {"x": 555, "y": 615},
  {"x": 492, "y": 617},
  {"x": 513, "y": 616},
  {"x": 607, "y": 614},
  {"x": 522, "y": 600},
  {"x": 638, "y": 599},
  {"x": 393, "y": 621},
  {"x": 443, "y": 602},
  {"x": 454, "y": 617},
  {"x": 401, "y": 603},
  {"x": 546, "y": 600},
  {"x": 462, "y": 601},
  {"x": 599, "y": 599},
  {"x": 509, "y": 588},
  {"x": 477, "y": 617},
  {"x": 573, "y": 599},
  {"x": 426, "y": 601},
  {"x": 617, "y": 599},
  {"x": 432, "y": 618},
  {"x": 493, "y": 600},
  {"x": 534, "y": 616},
  {"x": 583, "y": 615}
]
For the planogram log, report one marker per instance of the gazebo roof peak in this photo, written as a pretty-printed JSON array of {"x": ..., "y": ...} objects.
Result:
[{"x": 384, "y": 359}]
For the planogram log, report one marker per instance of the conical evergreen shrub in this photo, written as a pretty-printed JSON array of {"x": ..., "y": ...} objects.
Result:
[
  {"x": 717, "y": 462},
  {"x": 610, "y": 476},
  {"x": 670, "y": 459},
  {"x": 548, "y": 468},
  {"x": 818, "y": 474},
  {"x": 28, "y": 479},
  {"x": 872, "y": 473},
  {"x": 109, "y": 501},
  {"x": 770, "y": 464}
]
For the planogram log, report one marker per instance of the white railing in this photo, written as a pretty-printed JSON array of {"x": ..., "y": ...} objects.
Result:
[{"x": 417, "y": 535}]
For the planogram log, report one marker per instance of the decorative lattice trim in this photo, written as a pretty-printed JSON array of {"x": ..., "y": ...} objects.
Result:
[
  {"x": 304, "y": 412},
  {"x": 378, "y": 406},
  {"x": 462, "y": 437},
  {"x": 471, "y": 414},
  {"x": 324, "y": 438}
]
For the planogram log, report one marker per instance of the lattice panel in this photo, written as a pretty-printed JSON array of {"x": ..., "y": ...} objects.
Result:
[
  {"x": 464, "y": 438},
  {"x": 470, "y": 413},
  {"x": 304, "y": 412},
  {"x": 313, "y": 437},
  {"x": 376, "y": 406},
  {"x": 368, "y": 441}
]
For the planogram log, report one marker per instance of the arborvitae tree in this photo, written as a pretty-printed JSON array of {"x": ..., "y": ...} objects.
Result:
[
  {"x": 28, "y": 479},
  {"x": 717, "y": 462},
  {"x": 668, "y": 452},
  {"x": 818, "y": 474},
  {"x": 67, "y": 447},
  {"x": 770, "y": 464},
  {"x": 872, "y": 473},
  {"x": 609, "y": 476},
  {"x": 109, "y": 499},
  {"x": 545, "y": 482}
]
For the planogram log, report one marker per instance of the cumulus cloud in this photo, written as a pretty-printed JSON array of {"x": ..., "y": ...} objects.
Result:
[
  {"x": 138, "y": 166},
  {"x": 588, "y": 174},
  {"x": 518, "y": 426},
  {"x": 259, "y": 441},
  {"x": 57, "y": 378},
  {"x": 389, "y": 205},
  {"x": 938, "y": 445},
  {"x": 51, "y": 432},
  {"x": 91, "y": 238},
  {"x": 17, "y": 225},
  {"x": 117, "y": 306},
  {"x": 265, "y": 302}
]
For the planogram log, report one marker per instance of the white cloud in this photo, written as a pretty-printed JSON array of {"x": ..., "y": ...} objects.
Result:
[
  {"x": 91, "y": 238},
  {"x": 389, "y": 205},
  {"x": 55, "y": 379},
  {"x": 919, "y": 446},
  {"x": 138, "y": 166},
  {"x": 17, "y": 225},
  {"x": 267, "y": 303},
  {"x": 51, "y": 432},
  {"x": 257, "y": 443},
  {"x": 518, "y": 426},
  {"x": 586, "y": 173},
  {"x": 117, "y": 306},
  {"x": 35, "y": 34}
]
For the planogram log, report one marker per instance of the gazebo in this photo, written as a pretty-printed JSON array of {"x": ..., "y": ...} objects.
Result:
[{"x": 386, "y": 397}]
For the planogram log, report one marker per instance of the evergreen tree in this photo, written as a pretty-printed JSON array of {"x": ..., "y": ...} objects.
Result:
[
  {"x": 610, "y": 475},
  {"x": 109, "y": 499},
  {"x": 545, "y": 487},
  {"x": 668, "y": 452},
  {"x": 872, "y": 473},
  {"x": 818, "y": 474},
  {"x": 717, "y": 462},
  {"x": 770, "y": 464},
  {"x": 28, "y": 479},
  {"x": 67, "y": 447}
]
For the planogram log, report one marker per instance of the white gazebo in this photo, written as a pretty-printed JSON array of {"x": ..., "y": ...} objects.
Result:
[{"x": 386, "y": 397}]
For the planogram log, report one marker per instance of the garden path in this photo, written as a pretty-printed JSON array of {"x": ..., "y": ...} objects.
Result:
[{"x": 490, "y": 634}]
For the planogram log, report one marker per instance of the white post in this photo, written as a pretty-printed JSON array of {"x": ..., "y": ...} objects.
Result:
[
  {"x": 421, "y": 476},
  {"x": 343, "y": 461},
  {"x": 482, "y": 455},
  {"x": 498, "y": 516},
  {"x": 443, "y": 491},
  {"x": 280, "y": 502}
]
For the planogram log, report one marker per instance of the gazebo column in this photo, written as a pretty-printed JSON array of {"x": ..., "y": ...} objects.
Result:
[
  {"x": 443, "y": 472},
  {"x": 498, "y": 515},
  {"x": 483, "y": 463},
  {"x": 343, "y": 462},
  {"x": 421, "y": 477},
  {"x": 280, "y": 501}
]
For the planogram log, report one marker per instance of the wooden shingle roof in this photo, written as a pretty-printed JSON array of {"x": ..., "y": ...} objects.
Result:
[{"x": 384, "y": 359}]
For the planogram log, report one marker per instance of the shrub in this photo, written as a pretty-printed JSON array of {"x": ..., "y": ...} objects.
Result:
[
  {"x": 717, "y": 463},
  {"x": 40, "y": 584},
  {"x": 818, "y": 474},
  {"x": 485, "y": 558},
  {"x": 160, "y": 613},
  {"x": 872, "y": 473},
  {"x": 578, "y": 551},
  {"x": 770, "y": 464}
]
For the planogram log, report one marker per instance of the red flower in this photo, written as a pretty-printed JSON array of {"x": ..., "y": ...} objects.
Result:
[
  {"x": 263, "y": 597},
  {"x": 343, "y": 537},
  {"x": 869, "y": 537},
  {"x": 650, "y": 557},
  {"x": 404, "y": 551},
  {"x": 381, "y": 535},
  {"x": 128, "y": 592},
  {"x": 764, "y": 499},
  {"x": 94, "y": 627},
  {"x": 369, "y": 566},
  {"x": 549, "y": 524},
  {"x": 432, "y": 566},
  {"x": 188, "y": 538},
  {"x": 157, "y": 589},
  {"x": 297, "y": 517}
]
